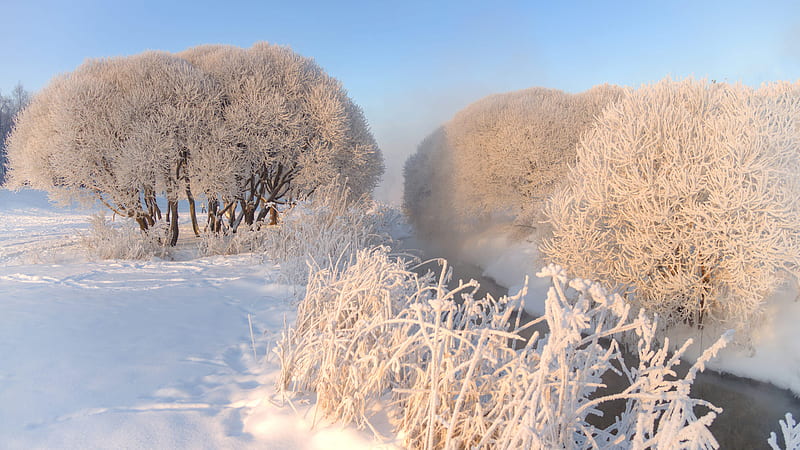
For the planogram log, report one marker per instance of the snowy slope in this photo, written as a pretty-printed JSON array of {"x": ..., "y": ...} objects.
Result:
[{"x": 139, "y": 354}]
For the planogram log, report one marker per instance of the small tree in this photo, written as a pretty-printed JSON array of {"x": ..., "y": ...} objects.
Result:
[{"x": 686, "y": 195}]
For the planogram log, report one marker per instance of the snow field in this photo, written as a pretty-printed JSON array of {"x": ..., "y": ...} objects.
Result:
[{"x": 140, "y": 354}]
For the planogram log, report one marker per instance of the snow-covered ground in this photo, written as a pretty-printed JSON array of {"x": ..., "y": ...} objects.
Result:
[
  {"x": 774, "y": 356},
  {"x": 158, "y": 354},
  {"x": 140, "y": 354}
]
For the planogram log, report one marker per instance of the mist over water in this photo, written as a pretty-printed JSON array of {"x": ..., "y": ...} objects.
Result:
[{"x": 401, "y": 120}]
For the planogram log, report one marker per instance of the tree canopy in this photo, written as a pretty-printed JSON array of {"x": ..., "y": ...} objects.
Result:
[
  {"x": 503, "y": 154},
  {"x": 246, "y": 130},
  {"x": 686, "y": 195}
]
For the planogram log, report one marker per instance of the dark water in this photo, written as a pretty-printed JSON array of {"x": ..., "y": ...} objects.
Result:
[{"x": 751, "y": 409}]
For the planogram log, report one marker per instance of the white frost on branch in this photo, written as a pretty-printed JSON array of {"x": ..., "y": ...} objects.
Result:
[
  {"x": 790, "y": 432},
  {"x": 686, "y": 195}
]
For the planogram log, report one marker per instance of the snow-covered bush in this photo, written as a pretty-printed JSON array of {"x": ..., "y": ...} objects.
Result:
[
  {"x": 503, "y": 154},
  {"x": 125, "y": 240},
  {"x": 340, "y": 303},
  {"x": 686, "y": 195},
  {"x": 325, "y": 232},
  {"x": 245, "y": 240},
  {"x": 376, "y": 328}
]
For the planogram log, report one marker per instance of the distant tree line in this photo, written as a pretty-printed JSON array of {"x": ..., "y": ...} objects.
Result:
[{"x": 10, "y": 105}]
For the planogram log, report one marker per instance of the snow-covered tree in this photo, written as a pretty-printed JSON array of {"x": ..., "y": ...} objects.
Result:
[
  {"x": 248, "y": 129},
  {"x": 120, "y": 129},
  {"x": 424, "y": 181},
  {"x": 503, "y": 154},
  {"x": 287, "y": 128},
  {"x": 686, "y": 195}
]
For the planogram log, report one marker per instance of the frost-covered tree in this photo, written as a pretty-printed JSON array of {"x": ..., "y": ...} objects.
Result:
[
  {"x": 513, "y": 148},
  {"x": 503, "y": 154},
  {"x": 120, "y": 130},
  {"x": 248, "y": 129},
  {"x": 686, "y": 195},
  {"x": 287, "y": 128},
  {"x": 423, "y": 181}
]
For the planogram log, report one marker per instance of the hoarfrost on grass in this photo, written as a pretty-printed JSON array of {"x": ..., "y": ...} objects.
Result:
[
  {"x": 377, "y": 329},
  {"x": 105, "y": 240},
  {"x": 325, "y": 231}
]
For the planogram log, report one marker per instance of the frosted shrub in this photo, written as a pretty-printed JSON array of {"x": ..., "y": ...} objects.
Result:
[
  {"x": 324, "y": 231},
  {"x": 245, "y": 240},
  {"x": 513, "y": 149},
  {"x": 124, "y": 241},
  {"x": 686, "y": 195},
  {"x": 316, "y": 354},
  {"x": 444, "y": 357}
]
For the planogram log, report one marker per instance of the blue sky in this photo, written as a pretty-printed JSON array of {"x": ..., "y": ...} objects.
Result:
[{"x": 412, "y": 64}]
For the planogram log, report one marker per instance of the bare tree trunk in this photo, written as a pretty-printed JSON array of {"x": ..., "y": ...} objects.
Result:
[
  {"x": 192, "y": 211},
  {"x": 273, "y": 214},
  {"x": 172, "y": 233},
  {"x": 230, "y": 210},
  {"x": 180, "y": 174},
  {"x": 263, "y": 213},
  {"x": 273, "y": 186},
  {"x": 151, "y": 205},
  {"x": 142, "y": 223},
  {"x": 248, "y": 209},
  {"x": 238, "y": 220},
  {"x": 706, "y": 279},
  {"x": 213, "y": 209}
]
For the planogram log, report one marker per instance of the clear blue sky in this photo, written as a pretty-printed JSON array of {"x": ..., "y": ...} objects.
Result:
[{"x": 412, "y": 64}]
